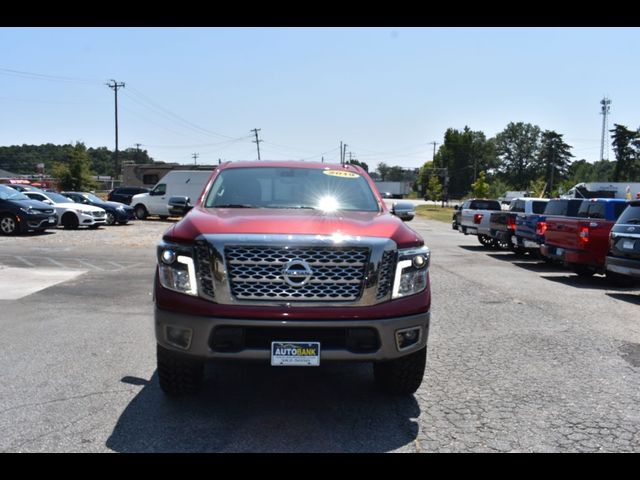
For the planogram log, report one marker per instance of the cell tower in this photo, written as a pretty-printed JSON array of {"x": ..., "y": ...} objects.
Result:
[{"x": 605, "y": 102}]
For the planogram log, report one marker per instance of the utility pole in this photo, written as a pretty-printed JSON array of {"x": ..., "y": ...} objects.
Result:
[
  {"x": 349, "y": 156},
  {"x": 344, "y": 153},
  {"x": 340, "y": 152},
  {"x": 434, "y": 150},
  {"x": 195, "y": 157},
  {"x": 138, "y": 145},
  {"x": 604, "y": 111},
  {"x": 115, "y": 86},
  {"x": 257, "y": 141}
]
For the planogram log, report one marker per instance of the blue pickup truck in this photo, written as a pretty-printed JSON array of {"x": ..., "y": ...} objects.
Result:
[{"x": 530, "y": 228}]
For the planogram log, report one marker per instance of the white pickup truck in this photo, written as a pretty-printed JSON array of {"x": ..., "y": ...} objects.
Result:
[{"x": 474, "y": 219}]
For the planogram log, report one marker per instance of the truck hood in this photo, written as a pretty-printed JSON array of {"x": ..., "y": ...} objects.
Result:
[{"x": 289, "y": 221}]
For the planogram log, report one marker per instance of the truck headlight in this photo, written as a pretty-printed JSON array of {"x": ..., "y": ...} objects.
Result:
[
  {"x": 176, "y": 269},
  {"x": 411, "y": 271}
]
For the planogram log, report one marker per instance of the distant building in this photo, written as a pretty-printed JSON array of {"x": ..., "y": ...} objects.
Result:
[
  {"x": 148, "y": 174},
  {"x": 5, "y": 175}
]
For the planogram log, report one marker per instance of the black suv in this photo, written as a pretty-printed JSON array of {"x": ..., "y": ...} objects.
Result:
[
  {"x": 623, "y": 261},
  {"x": 124, "y": 194},
  {"x": 19, "y": 214},
  {"x": 116, "y": 211}
]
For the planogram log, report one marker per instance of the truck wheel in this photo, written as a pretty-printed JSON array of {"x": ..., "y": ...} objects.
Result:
[
  {"x": 486, "y": 241},
  {"x": 620, "y": 280},
  {"x": 178, "y": 374},
  {"x": 503, "y": 244},
  {"x": 401, "y": 376},
  {"x": 583, "y": 270},
  {"x": 141, "y": 212},
  {"x": 8, "y": 224}
]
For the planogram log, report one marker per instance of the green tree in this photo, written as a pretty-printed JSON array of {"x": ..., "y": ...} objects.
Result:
[
  {"x": 554, "y": 158},
  {"x": 498, "y": 187},
  {"x": 434, "y": 189},
  {"x": 76, "y": 174},
  {"x": 480, "y": 188},
  {"x": 359, "y": 163},
  {"x": 518, "y": 147},
  {"x": 464, "y": 154},
  {"x": 383, "y": 171},
  {"x": 538, "y": 187},
  {"x": 625, "y": 143}
]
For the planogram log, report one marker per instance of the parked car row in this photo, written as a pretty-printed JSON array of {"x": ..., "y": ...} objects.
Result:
[
  {"x": 588, "y": 236},
  {"x": 36, "y": 210}
]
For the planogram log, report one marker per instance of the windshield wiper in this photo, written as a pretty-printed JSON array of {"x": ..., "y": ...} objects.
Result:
[
  {"x": 307, "y": 207},
  {"x": 234, "y": 205},
  {"x": 633, "y": 221}
]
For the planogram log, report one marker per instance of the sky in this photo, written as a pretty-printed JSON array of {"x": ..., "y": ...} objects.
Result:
[{"x": 386, "y": 92}]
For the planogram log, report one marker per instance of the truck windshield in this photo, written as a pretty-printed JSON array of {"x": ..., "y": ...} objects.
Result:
[{"x": 282, "y": 187}]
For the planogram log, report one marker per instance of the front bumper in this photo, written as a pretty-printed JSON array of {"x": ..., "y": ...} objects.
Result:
[
  {"x": 203, "y": 327},
  {"x": 624, "y": 266},
  {"x": 40, "y": 222},
  {"x": 124, "y": 215}
]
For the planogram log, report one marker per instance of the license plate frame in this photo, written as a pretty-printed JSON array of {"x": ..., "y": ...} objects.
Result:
[{"x": 295, "y": 354}]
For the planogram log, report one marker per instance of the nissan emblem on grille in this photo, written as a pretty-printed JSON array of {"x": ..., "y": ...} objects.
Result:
[{"x": 297, "y": 272}]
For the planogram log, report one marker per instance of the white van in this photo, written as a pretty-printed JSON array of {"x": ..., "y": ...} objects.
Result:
[{"x": 187, "y": 183}]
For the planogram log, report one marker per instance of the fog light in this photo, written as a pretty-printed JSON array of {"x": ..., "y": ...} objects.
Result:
[
  {"x": 178, "y": 336},
  {"x": 407, "y": 337}
]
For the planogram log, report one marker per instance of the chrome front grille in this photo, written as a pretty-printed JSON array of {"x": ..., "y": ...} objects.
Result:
[
  {"x": 385, "y": 276},
  {"x": 257, "y": 272},
  {"x": 203, "y": 268}
]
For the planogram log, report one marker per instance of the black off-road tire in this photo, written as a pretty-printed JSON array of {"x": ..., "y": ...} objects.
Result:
[
  {"x": 620, "y": 280},
  {"x": 177, "y": 373},
  {"x": 401, "y": 376},
  {"x": 583, "y": 270},
  {"x": 487, "y": 241}
]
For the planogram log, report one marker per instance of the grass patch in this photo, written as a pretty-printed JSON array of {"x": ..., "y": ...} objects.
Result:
[{"x": 432, "y": 212}]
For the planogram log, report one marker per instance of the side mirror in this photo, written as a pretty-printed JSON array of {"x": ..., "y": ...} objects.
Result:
[
  {"x": 405, "y": 211},
  {"x": 179, "y": 206}
]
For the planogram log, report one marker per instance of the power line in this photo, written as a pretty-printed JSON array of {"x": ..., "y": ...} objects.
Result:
[
  {"x": 42, "y": 76},
  {"x": 195, "y": 158},
  {"x": 152, "y": 104}
]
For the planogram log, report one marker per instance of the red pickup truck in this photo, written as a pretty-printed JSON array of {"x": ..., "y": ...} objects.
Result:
[
  {"x": 582, "y": 243},
  {"x": 291, "y": 264}
]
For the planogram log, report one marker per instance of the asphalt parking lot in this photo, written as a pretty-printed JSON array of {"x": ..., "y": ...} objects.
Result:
[{"x": 522, "y": 356}]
